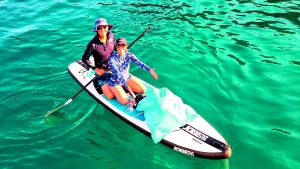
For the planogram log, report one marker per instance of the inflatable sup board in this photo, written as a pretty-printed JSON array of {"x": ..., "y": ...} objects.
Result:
[{"x": 198, "y": 138}]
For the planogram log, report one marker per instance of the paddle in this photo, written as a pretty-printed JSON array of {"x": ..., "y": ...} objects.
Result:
[{"x": 85, "y": 86}]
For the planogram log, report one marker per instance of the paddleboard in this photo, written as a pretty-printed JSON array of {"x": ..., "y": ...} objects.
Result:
[{"x": 197, "y": 138}]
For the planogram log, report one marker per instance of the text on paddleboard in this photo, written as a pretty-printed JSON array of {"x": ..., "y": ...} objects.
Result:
[
  {"x": 184, "y": 151},
  {"x": 195, "y": 132}
]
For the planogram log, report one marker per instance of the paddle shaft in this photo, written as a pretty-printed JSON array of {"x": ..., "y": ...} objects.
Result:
[
  {"x": 139, "y": 37},
  {"x": 71, "y": 99},
  {"x": 85, "y": 86}
]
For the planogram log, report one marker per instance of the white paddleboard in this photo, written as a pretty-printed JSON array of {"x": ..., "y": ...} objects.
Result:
[{"x": 197, "y": 138}]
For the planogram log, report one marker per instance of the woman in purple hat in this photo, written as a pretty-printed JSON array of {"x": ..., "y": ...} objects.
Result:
[
  {"x": 101, "y": 47},
  {"x": 119, "y": 64}
]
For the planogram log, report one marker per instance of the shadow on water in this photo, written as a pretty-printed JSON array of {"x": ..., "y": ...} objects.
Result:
[
  {"x": 65, "y": 121},
  {"x": 295, "y": 62},
  {"x": 56, "y": 118},
  {"x": 281, "y": 130}
]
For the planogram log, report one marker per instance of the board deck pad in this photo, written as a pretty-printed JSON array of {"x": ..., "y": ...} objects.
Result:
[{"x": 133, "y": 113}]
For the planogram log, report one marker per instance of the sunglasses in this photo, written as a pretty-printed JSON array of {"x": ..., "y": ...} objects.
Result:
[{"x": 101, "y": 27}]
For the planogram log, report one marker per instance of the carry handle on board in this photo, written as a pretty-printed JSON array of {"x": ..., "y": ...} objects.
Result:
[{"x": 85, "y": 86}]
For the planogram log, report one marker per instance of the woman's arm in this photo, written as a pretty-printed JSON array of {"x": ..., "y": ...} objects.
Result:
[
  {"x": 139, "y": 63},
  {"x": 143, "y": 65},
  {"x": 86, "y": 56}
]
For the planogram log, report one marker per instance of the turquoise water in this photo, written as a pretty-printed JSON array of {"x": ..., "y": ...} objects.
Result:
[{"x": 236, "y": 62}]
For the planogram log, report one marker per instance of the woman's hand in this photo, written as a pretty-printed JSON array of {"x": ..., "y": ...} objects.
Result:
[
  {"x": 153, "y": 73},
  {"x": 99, "y": 71}
]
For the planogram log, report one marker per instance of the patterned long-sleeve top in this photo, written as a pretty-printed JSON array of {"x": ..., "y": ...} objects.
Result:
[{"x": 119, "y": 66}]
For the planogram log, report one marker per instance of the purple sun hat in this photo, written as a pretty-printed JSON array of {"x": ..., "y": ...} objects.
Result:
[{"x": 101, "y": 22}]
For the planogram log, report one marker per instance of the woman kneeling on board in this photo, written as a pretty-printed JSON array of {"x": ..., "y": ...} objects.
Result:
[{"x": 119, "y": 64}]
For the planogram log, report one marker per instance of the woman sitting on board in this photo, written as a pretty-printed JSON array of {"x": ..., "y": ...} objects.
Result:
[
  {"x": 101, "y": 47},
  {"x": 119, "y": 64}
]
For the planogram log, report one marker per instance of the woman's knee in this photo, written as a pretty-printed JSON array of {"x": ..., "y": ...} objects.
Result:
[
  {"x": 143, "y": 89},
  {"x": 136, "y": 85},
  {"x": 107, "y": 91},
  {"x": 109, "y": 95},
  {"x": 123, "y": 101},
  {"x": 140, "y": 90},
  {"x": 120, "y": 94}
]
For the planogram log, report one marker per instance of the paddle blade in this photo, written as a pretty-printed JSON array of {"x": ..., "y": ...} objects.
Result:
[{"x": 69, "y": 101}]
